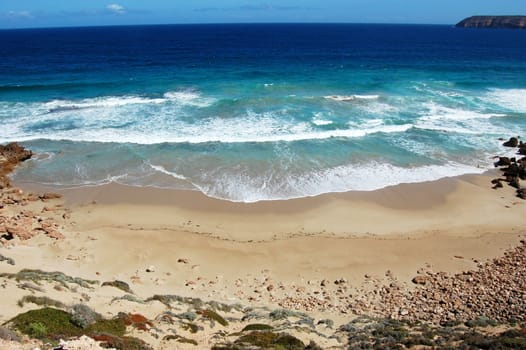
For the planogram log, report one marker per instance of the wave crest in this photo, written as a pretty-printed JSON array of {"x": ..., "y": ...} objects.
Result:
[{"x": 350, "y": 98}]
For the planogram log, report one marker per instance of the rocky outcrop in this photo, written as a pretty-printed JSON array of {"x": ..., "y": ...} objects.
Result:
[
  {"x": 19, "y": 223},
  {"x": 513, "y": 169},
  {"x": 511, "y": 22},
  {"x": 10, "y": 156}
]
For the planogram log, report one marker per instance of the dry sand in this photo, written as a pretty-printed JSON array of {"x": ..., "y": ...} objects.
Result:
[{"x": 119, "y": 231}]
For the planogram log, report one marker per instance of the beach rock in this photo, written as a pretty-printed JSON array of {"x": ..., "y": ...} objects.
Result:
[
  {"x": 20, "y": 232},
  {"x": 512, "y": 142},
  {"x": 497, "y": 183},
  {"x": 52, "y": 233},
  {"x": 422, "y": 280},
  {"x": 48, "y": 196},
  {"x": 503, "y": 161},
  {"x": 514, "y": 182},
  {"x": 10, "y": 156},
  {"x": 13, "y": 152}
]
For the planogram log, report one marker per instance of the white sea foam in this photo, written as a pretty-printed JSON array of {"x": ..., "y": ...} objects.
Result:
[
  {"x": 252, "y": 136},
  {"x": 190, "y": 98},
  {"x": 456, "y": 120},
  {"x": 366, "y": 97},
  {"x": 373, "y": 122},
  {"x": 161, "y": 126},
  {"x": 439, "y": 112},
  {"x": 349, "y": 98},
  {"x": 163, "y": 170},
  {"x": 321, "y": 122},
  {"x": 320, "y": 119},
  {"x": 510, "y": 99},
  {"x": 239, "y": 187}
]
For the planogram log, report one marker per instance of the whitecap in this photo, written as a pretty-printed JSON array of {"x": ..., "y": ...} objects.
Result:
[
  {"x": 190, "y": 98},
  {"x": 439, "y": 112},
  {"x": 321, "y": 122},
  {"x": 349, "y": 98},
  {"x": 510, "y": 99}
]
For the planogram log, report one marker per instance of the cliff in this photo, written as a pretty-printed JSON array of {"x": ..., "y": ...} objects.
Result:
[{"x": 513, "y": 22}]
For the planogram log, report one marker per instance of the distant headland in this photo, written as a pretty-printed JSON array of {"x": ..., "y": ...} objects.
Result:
[{"x": 512, "y": 22}]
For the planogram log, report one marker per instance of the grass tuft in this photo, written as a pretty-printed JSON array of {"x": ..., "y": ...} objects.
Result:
[
  {"x": 37, "y": 276},
  {"x": 214, "y": 316},
  {"x": 125, "y": 287},
  {"x": 257, "y": 327},
  {"x": 41, "y": 301}
]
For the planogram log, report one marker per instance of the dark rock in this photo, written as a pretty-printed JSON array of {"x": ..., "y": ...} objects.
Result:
[
  {"x": 503, "y": 161},
  {"x": 515, "y": 183},
  {"x": 513, "y": 170},
  {"x": 512, "y": 142},
  {"x": 498, "y": 184}
]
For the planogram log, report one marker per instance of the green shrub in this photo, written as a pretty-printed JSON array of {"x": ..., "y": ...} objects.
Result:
[
  {"x": 269, "y": 340},
  {"x": 55, "y": 323},
  {"x": 115, "y": 326},
  {"x": 36, "y": 330}
]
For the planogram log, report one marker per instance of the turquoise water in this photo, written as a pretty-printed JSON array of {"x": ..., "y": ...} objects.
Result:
[{"x": 257, "y": 112}]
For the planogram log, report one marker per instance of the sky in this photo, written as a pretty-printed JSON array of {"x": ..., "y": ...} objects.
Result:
[{"x": 60, "y": 13}]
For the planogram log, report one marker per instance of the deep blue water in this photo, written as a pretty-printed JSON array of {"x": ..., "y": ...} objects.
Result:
[{"x": 252, "y": 112}]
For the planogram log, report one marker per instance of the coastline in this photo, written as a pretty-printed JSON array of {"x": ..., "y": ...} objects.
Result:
[
  {"x": 269, "y": 255},
  {"x": 465, "y": 205}
]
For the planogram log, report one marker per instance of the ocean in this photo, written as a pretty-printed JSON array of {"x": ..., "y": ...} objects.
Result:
[{"x": 251, "y": 112}]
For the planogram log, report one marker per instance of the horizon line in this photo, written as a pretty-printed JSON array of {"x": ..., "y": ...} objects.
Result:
[{"x": 221, "y": 23}]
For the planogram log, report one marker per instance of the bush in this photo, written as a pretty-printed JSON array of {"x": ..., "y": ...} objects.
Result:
[
  {"x": 37, "y": 330},
  {"x": 46, "y": 323},
  {"x": 114, "y": 326},
  {"x": 83, "y": 315}
]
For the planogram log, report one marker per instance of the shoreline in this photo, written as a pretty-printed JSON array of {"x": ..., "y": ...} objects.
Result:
[
  {"x": 332, "y": 257},
  {"x": 465, "y": 205}
]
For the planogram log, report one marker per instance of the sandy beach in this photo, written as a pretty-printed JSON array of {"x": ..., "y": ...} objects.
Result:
[{"x": 326, "y": 255}]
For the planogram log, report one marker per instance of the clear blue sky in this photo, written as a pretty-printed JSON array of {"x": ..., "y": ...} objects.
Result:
[{"x": 51, "y": 13}]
